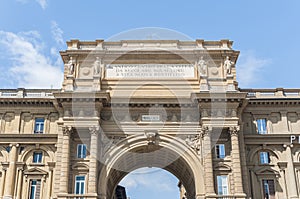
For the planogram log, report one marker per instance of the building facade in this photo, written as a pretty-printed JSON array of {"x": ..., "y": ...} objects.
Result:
[{"x": 170, "y": 104}]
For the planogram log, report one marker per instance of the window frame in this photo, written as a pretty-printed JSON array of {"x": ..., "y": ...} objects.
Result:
[
  {"x": 33, "y": 189},
  {"x": 38, "y": 124},
  {"x": 218, "y": 151},
  {"x": 262, "y": 127},
  {"x": 39, "y": 159},
  {"x": 263, "y": 158},
  {"x": 222, "y": 186},
  {"x": 81, "y": 154},
  {"x": 263, "y": 187},
  {"x": 80, "y": 183}
]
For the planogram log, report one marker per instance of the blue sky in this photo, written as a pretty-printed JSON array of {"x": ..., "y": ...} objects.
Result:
[{"x": 33, "y": 31}]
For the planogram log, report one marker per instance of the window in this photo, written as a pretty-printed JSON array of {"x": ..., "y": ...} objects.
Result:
[
  {"x": 81, "y": 151},
  {"x": 222, "y": 185},
  {"x": 264, "y": 157},
  {"x": 39, "y": 125},
  {"x": 34, "y": 189},
  {"x": 79, "y": 184},
  {"x": 37, "y": 157},
  {"x": 220, "y": 151},
  {"x": 262, "y": 126},
  {"x": 268, "y": 189}
]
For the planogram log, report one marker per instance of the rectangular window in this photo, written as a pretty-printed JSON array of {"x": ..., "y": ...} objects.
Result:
[
  {"x": 79, "y": 184},
  {"x": 37, "y": 157},
  {"x": 34, "y": 189},
  {"x": 81, "y": 151},
  {"x": 222, "y": 182},
  {"x": 262, "y": 126},
  {"x": 39, "y": 125},
  {"x": 264, "y": 157},
  {"x": 220, "y": 151},
  {"x": 268, "y": 189}
]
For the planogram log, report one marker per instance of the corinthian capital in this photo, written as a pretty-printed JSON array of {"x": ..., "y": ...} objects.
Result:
[
  {"x": 67, "y": 130},
  {"x": 94, "y": 130},
  {"x": 234, "y": 130}
]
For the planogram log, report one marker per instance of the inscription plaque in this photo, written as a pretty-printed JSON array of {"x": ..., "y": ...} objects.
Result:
[{"x": 150, "y": 71}]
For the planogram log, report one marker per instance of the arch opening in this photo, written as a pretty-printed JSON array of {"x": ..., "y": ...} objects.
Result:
[
  {"x": 151, "y": 182},
  {"x": 179, "y": 161}
]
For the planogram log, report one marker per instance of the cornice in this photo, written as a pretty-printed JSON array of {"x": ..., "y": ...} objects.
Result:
[{"x": 29, "y": 138}]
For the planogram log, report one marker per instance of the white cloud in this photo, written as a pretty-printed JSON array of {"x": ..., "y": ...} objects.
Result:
[
  {"x": 42, "y": 3},
  {"x": 250, "y": 69},
  {"x": 151, "y": 179},
  {"x": 28, "y": 67},
  {"x": 57, "y": 33}
]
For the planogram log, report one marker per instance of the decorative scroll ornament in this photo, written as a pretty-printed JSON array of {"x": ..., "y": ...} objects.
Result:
[{"x": 151, "y": 137}]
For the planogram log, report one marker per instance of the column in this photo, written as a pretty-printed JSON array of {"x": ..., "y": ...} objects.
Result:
[
  {"x": 92, "y": 186},
  {"x": 290, "y": 175},
  {"x": 11, "y": 172},
  {"x": 207, "y": 155},
  {"x": 2, "y": 183},
  {"x": 236, "y": 163},
  {"x": 19, "y": 184},
  {"x": 65, "y": 160}
]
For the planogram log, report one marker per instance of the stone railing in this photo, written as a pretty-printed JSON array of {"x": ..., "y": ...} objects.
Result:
[
  {"x": 272, "y": 93},
  {"x": 27, "y": 93}
]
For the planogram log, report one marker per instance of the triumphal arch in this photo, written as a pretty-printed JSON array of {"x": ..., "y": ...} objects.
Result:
[
  {"x": 170, "y": 104},
  {"x": 152, "y": 104}
]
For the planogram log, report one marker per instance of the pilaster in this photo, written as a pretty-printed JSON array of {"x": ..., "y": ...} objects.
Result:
[
  {"x": 208, "y": 164},
  {"x": 290, "y": 174},
  {"x": 236, "y": 163},
  {"x": 65, "y": 161},
  {"x": 92, "y": 184}
]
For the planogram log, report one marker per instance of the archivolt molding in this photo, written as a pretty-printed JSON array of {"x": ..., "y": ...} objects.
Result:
[
  {"x": 254, "y": 151},
  {"x": 28, "y": 149}
]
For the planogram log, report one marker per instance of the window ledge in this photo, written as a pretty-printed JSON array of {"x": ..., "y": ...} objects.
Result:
[{"x": 37, "y": 164}]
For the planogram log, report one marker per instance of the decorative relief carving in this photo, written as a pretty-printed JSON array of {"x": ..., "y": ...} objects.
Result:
[
  {"x": 194, "y": 142},
  {"x": 109, "y": 141},
  {"x": 205, "y": 131}
]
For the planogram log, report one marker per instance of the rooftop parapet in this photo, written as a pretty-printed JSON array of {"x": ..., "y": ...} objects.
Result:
[
  {"x": 272, "y": 93},
  {"x": 27, "y": 93},
  {"x": 198, "y": 44}
]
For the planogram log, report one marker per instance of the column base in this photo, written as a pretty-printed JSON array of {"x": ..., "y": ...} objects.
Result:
[{"x": 7, "y": 197}]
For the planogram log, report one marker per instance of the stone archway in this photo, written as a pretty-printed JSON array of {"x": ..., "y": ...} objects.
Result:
[{"x": 168, "y": 152}]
